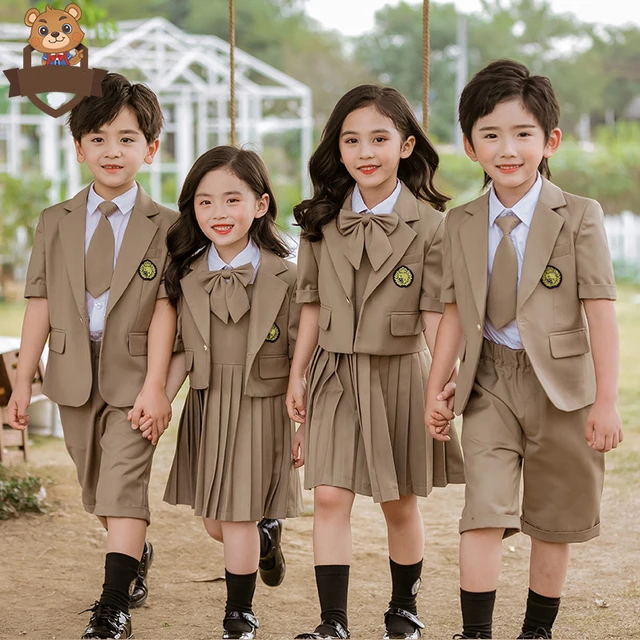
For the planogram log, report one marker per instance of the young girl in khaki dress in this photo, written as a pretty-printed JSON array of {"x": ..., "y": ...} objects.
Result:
[
  {"x": 369, "y": 271},
  {"x": 237, "y": 322}
]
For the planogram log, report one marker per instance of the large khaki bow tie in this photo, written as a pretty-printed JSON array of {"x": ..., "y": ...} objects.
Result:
[
  {"x": 370, "y": 231},
  {"x": 227, "y": 293}
]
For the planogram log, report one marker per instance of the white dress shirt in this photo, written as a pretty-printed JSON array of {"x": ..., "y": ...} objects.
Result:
[
  {"x": 509, "y": 336},
  {"x": 251, "y": 253},
  {"x": 385, "y": 207},
  {"x": 97, "y": 307}
]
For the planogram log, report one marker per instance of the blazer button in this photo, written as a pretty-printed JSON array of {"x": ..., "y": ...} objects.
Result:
[
  {"x": 347, "y": 299},
  {"x": 479, "y": 327},
  {"x": 205, "y": 347}
]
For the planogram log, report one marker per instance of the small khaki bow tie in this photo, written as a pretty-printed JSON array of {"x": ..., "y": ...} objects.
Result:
[
  {"x": 370, "y": 231},
  {"x": 227, "y": 291}
]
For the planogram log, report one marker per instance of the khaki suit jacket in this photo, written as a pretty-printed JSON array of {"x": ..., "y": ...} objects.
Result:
[
  {"x": 56, "y": 272},
  {"x": 567, "y": 243},
  {"x": 272, "y": 302},
  {"x": 390, "y": 320}
]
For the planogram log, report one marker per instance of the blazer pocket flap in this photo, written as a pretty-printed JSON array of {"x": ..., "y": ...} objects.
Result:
[
  {"x": 138, "y": 344},
  {"x": 324, "y": 319},
  {"x": 273, "y": 367},
  {"x": 407, "y": 323},
  {"x": 569, "y": 343},
  {"x": 188, "y": 359},
  {"x": 57, "y": 340}
]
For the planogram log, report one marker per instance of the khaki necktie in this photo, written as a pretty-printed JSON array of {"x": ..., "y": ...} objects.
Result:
[
  {"x": 98, "y": 263},
  {"x": 227, "y": 291},
  {"x": 503, "y": 289},
  {"x": 370, "y": 231}
]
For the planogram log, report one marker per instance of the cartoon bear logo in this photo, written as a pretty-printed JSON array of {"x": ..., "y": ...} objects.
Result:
[{"x": 55, "y": 34}]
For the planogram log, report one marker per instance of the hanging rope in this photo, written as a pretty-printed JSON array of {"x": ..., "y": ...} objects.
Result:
[
  {"x": 232, "y": 74},
  {"x": 426, "y": 47}
]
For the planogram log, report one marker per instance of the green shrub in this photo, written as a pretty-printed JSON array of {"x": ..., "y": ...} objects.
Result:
[{"x": 20, "y": 494}]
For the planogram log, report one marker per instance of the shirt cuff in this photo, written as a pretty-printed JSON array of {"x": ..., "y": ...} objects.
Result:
[
  {"x": 304, "y": 296},
  {"x": 597, "y": 291},
  {"x": 35, "y": 291},
  {"x": 431, "y": 304},
  {"x": 448, "y": 296},
  {"x": 162, "y": 292}
]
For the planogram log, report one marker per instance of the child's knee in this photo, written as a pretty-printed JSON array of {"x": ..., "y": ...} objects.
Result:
[
  {"x": 332, "y": 502},
  {"x": 214, "y": 528}
]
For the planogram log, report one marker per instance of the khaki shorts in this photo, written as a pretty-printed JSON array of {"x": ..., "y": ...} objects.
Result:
[
  {"x": 511, "y": 429},
  {"x": 112, "y": 459}
]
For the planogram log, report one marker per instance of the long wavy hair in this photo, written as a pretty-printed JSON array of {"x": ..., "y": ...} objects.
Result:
[
  {"x": 186, "y": 240},
  {"x": 330, "y": 178}
]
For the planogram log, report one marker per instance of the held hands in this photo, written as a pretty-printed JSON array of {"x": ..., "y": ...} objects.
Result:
[
  {"x": 18, "y": 404},
  {"x": 439, "y": 413},
  {"x": 297, "y": 399},
  {"x": 297, "y": 447},
  {"x": 604, "y": 427},
  {"x": 151, "y": 413}
]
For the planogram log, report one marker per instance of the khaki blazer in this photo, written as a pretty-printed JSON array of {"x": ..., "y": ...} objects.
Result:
[
  {"x": 272, "y": 302},
  {"x": 56, "y": 272},
  {"x": 567, "y": 242},
  {"x": 390, "y": 319}
]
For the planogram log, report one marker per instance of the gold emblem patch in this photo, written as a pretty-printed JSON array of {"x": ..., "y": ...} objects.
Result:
[
  {"x": 551, "y": 278},
  {"x": 403, "y": 276},
  {"x": 147, "y": 270},
  {"x": 274, "y": 333}
]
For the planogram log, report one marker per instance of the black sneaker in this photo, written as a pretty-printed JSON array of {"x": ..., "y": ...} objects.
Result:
[
  {"x": 232, "y": 619},
  {"x": 272, "y": 565},
  {"x": 336, "y": 631},
  {"x": 108, "y": 622},
  {"x": 390, "y": 634},
  {"x": 140, "y": 590},
  {"x": 540, "y": 632}
]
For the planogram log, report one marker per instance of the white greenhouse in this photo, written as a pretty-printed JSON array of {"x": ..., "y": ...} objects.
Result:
[{"x": 190, "y": 74}]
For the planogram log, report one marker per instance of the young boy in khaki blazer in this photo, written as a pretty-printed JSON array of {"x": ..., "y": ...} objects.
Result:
[
  {"x": 95, "y": 289},
  {"x": 528, "y": 283}
]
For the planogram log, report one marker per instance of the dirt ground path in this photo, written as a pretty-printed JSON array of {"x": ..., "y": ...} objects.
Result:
[{"x": 51, "y": 567}]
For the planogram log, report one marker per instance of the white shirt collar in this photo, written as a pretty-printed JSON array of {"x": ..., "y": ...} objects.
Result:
[
  {"x": 524, "y": 208},
  {"x": 386, "y": 206},
  {"x": 251, "y": 253},
  {"x": 125, "y": 201}
]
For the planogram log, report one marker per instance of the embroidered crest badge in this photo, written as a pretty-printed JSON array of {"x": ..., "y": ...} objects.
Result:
[
  {"x": 147, "y": 270},
  {"x": 274, "y": 333},
  {"x": 403, "y": 276},
  {"x": 551, "y": 277}
]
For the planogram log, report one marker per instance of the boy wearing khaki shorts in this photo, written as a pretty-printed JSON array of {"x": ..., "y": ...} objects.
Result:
[
  {"x": 94, "y": 289},
  {"x": 528, "y": 288}
]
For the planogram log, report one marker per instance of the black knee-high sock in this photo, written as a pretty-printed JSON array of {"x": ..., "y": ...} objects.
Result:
[
  {"x": 240, "y": 590},
  {"x": 477, "y": 613},
  {"x": 120, "y": 571},
  {"x": 405, "y": 581},
  {"x": 333, "y": 589},
  {"x": 541, "y": 612}
]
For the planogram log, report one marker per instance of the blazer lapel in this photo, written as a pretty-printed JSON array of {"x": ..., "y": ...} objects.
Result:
[
  {"x": 137, "y": 238},
  {"x": 545, "y": 227},
  {"x": 72, "y": 230},
  {"x": 474, "y": 237},
  {"x": 407, "y": 210},
  {"x": 336, "y": 244},
  {"x": 269, "y": 292},
  {"x": 196, "y": 298}
]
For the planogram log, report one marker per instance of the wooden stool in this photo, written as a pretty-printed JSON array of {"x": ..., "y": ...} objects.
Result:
[{"x": 11, "y": 437}]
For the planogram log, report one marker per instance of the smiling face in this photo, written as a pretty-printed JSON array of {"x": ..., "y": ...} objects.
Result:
[
  {"x": 509, "y": 144},
  {"x": 225, "y": 209},
  {"x": 371, "y": 149},
  {"x": 115, "y": 153},
  {"x": 55, "y": 31}
]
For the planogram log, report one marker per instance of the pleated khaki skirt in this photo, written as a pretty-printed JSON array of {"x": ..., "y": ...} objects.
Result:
[
  {"x": 233, "y": 454},
  {"x": 365, "y": 427}
]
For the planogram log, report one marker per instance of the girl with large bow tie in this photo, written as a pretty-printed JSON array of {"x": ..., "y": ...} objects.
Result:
[
  {"x": 237, "y": 323},
  {"x": 369, "y": 271}
]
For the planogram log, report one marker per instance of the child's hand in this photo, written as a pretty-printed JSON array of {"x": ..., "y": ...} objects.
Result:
[
  {"x": 17, "y": 408},
  {"x": 297, "y": 447},
  {"x": 448, "y": 394},
  {"x": 437, "y": 418},
  {"x": 297, "y": 399},
  {"x": 604, "y": 427},
  {"x": 152, "y": 410}
]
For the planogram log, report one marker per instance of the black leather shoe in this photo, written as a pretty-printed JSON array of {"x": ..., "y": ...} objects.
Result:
[
  {"x": 461, "y": 636},
  {"x": 540, "y": 632},
  {"x": 108, "y": 622},
  {"x": 272, "y": 565},
  {"x": 239, "y": 616},
  {"x": 338, "y": 631},
  {"x": 407, "y": 615},
  {"x": 140, "y": 590}
]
